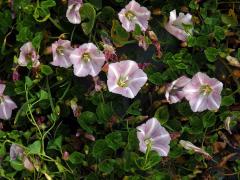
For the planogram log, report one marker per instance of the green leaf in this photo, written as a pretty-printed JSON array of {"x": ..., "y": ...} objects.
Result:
[
  {"x": 55, "y": 144},
  {"x": 106, "y": 14},
  {"x": 228, "y": 100},
  {"x": 153, "y": 159},
  {"x": 35, "y": 148},
  {"x": 96, "y": 3},
  {"x": 156, "y": 78},
  {"x": 118, "y": 34},
  {"x": 201, "y": 41},
  {"x": 88, "y": 16},
  {"x": 87, "y": 118},
  {"x": 42, "y": 95},
  {"x": 134, "y": 108},
  {"x": 196, "y": 125},
  {"x": 28, "y": 81},
  {"x": 76, "y": 158},
  {"x": 211, "y": 54},
  {"x": 100, "y": 149},
  {"x": 17, "y": 165},
  {"x": 48, "y": 3},
  {"x": 219, "y": 33},
  {"x": 104, "y": 112},
  {"x": 2, "y": 149},
  {"x": 24, "y": 35},
  {"x": 229, "y": 20},
  {"x": 6, "y": 23},
  {"x": 46, "y": 70},
  {"x": 114, "y": 140},
  {"x": 209, "y": 119},
  {"x": 107, "y": 166},
  {"x": 37, "y": 40},
  {"x": 162, "y": 114}
]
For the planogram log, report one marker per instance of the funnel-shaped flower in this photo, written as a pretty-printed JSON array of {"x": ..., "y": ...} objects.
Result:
[
  {"x": 134, "y": 14},
  {"x": 61, "y": 50},
  {"x": 203, "y": 93},
  {"x": 28, "y": 55},
  {"x": 174, "y": 91},
  {"x": 175, "y": 25},
  {"x": 125, "y": 78},
  {"x": 73, "y": 14},
  {"x": 6, "y": 104},
  {"x": 190, "y": 146},
  {"x": 87, "y": 60},
  {"x": 151, "y": 134}
]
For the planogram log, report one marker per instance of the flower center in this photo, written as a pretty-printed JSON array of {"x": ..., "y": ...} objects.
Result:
[
  {"x": 206, "y": 89},
  {"x": 123, "y": 81},
  {"x": 86, "y": 57},
  {"x": 130, "y": 15},
  {"x": 60, "y": 50},
  {"x": 148, "y": 142},
  {"x": 29, "y": 56}
]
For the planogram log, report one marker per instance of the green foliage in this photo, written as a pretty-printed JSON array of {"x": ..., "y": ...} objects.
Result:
[
  {"x": 72, "y": 127},
  {"x": 88, "y": 15}
]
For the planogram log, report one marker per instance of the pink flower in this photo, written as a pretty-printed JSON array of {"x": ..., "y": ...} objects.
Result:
[
  {"x": 125, "y": 78},
  {"x": 28, "y": 55},
  {"x": 174, "y": 91},
  {"x": 16, "y": 151},
  {"x": 6, "y": 104},
  {"x": 175, "y": 25},
  {"x": 152, "y": 135},
  {"x": 203, "y": 93},
  {"x": 87, "y": 60},
  {"x": 134, "y": 14},
  {"x": 61, "y": 50},
  {"x": 73, "y": 14}
]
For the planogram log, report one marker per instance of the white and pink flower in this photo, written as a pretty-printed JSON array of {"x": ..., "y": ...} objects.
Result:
[
  {"x": 87, "y": 60},
  {"x": 174, "y": 91},
  {"x": 73, "y": 14},
  {"x": 125, "y": 78},
  {"x": 175, "y": 25},
  {"x": 6, "y": 104},
  {"x": 28, "y": 55},
  {"x": 61, "y": 50},
  {"x": 134, "y": 14},
  {"x": 152, "y": 135},
  {"x": 203, "y": 93}
]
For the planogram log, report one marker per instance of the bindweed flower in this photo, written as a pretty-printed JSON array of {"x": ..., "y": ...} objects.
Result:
[
  {"x": 15, "y": 152},
  {"x": 73, "y": 14},
  {"x": 125, "y": 78},
  {"x": 190, "y": 146},
  {"x": 203, "y": 93},
  {"x": 174, "y": 91},
  {"x": 28, "y": 55},
  {"x": 15, "y": 75},
  {"x": 28, "y": 164},
  {"x": 142, "y": 42},
  {"x": 109, "y": 52},
  {"x": 152, "y": 135},
  {"x": 61, "y": 50},
  {"x": 6, "y": 104},
  {"x": 175, "y": 25},
  {"x": 87, "y": 60},
  {"x": 134, "y": 14}
]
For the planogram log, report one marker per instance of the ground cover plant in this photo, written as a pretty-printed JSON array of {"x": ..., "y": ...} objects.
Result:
[{"x": 119, "y": 89}]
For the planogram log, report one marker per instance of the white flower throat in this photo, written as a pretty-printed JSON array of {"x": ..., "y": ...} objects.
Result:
[
  {"x": 130, "y": 15},
  {"x": 86, "y": 57},
  {"x": 205, "y": 89},
  {"x": 60, "y": 50},
  {"x": 123, "y": 81}
]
